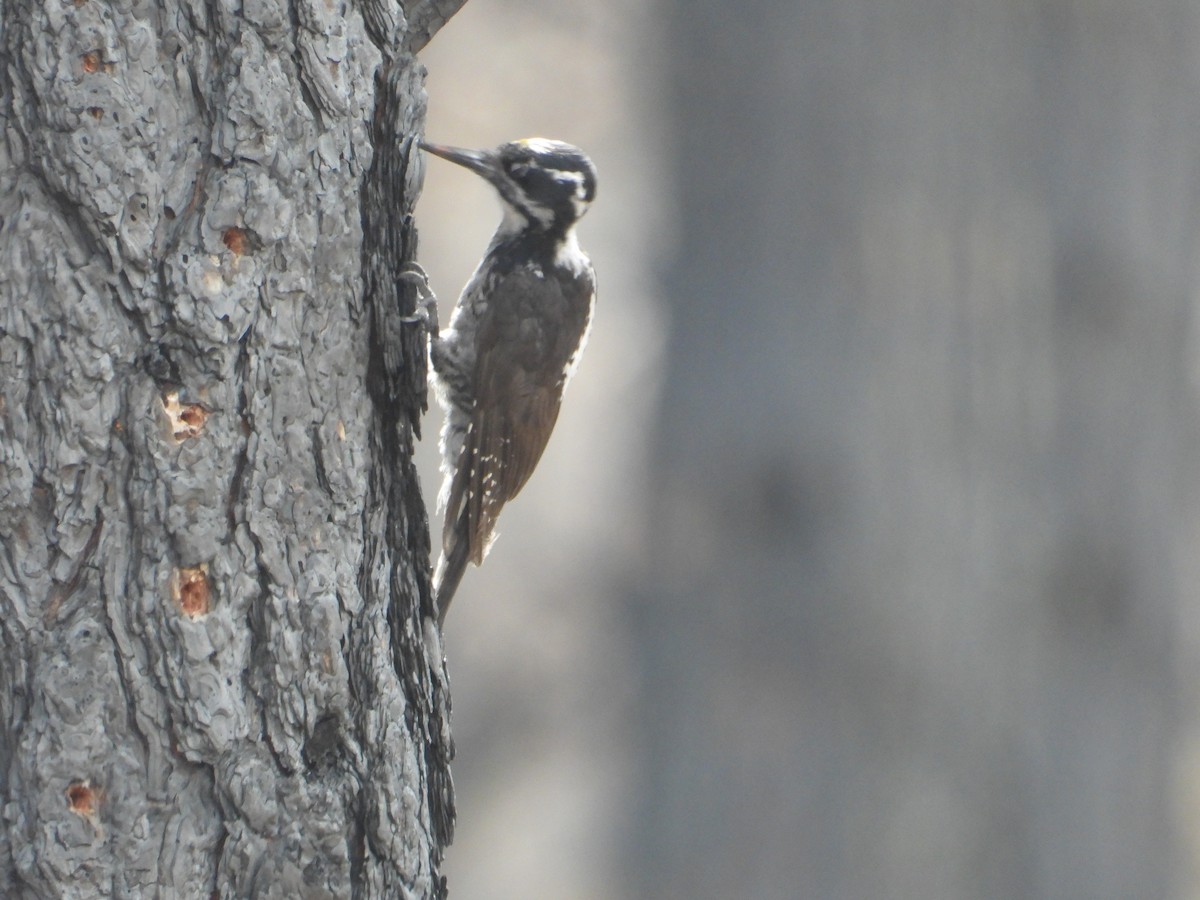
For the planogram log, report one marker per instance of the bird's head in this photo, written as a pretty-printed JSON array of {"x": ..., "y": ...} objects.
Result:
[{"x": 543, "y": 184}]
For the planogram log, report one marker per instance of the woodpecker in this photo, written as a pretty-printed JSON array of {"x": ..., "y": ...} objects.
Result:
[{"x": 514, "y": 340}]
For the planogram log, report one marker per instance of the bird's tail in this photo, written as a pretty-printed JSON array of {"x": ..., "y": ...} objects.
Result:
[{"x": 456, "y": 553}]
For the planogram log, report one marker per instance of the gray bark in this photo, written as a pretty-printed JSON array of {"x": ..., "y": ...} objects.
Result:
[
  {"x": 218, "y": 674},
  {"x": 919, "y": 613}
]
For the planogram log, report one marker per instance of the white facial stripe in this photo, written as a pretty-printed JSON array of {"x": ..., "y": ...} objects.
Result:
[
  {"x": 566, "y": 176},
  {"x": 563, "y": 176}
]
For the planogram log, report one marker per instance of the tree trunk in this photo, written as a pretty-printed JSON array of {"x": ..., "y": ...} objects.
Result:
[
  {"x": 920, "y": 614},
  {"x": 219, "y": 673}
]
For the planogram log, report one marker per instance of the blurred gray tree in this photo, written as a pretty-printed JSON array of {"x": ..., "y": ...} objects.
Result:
[
  {"x": 218, "y": 676},
  {"x": 918, "y": 620}
]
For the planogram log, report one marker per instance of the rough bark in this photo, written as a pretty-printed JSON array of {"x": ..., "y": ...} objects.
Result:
[{"x": 218, "y": 674}]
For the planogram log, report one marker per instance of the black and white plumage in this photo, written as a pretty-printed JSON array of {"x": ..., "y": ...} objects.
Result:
[{"x": 513, "y": 342}]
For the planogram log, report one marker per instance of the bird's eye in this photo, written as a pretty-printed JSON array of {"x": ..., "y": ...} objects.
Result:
[{"x": 518, "y": 170}]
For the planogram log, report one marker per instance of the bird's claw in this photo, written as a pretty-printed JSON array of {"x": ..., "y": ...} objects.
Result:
[{"x": 426, "y": 312}]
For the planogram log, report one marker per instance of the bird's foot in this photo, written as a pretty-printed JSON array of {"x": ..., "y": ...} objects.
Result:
[{"x": 426, "y": 311}]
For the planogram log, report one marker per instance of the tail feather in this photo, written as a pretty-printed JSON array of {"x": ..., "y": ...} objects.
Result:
[{"x": 456, "y": 553}]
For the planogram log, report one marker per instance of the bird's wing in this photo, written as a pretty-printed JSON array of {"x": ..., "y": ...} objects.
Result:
[{"x": 529, "y": 334}]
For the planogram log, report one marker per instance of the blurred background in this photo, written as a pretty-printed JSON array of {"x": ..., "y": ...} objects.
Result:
[{"x": 865, "y": 559}]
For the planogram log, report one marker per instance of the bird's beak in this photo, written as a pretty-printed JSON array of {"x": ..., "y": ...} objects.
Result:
[{"x": 481, "y": 162}]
